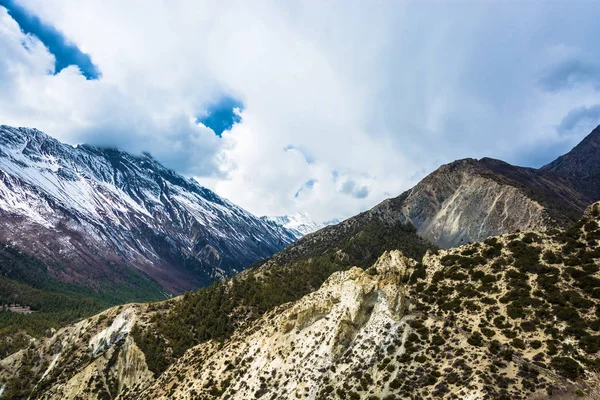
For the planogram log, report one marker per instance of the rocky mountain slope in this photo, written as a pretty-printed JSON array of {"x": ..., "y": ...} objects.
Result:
[
  {"x": 299, "y": 224},
  {"x": 93, "y": 214},
  {"x": 469, "y": 200},
  {"x": 512, "y": 317},
  {"x": 515, "y": 316}
]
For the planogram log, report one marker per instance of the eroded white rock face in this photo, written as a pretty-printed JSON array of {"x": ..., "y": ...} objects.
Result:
[
  {"x": 301, "y": 349},
  {"x": 120, "y": 370},
  {"x": 91, "y": 359},
  {"x": 458, "y": 204},
  {"x": 120, "y": 327}
]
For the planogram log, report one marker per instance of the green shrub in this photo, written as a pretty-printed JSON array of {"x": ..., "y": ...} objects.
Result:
[
  {"x": 528, "y": 326},
  {"x": 552, "y": 348},
  {"x": 499, "y": 321},
  {"x": 418, "y": 273},
  {"x": 590, "y": 226},
  {"x": 567, "y": 367},
  {"x": 515, "y": 312},
  {"x": 531, "y": 237},
  {"x": 590, "y": 344},
  {"x": 527, "y": 258},
  {"x": 495, "y": 347},
  {"x": 551, "y": 258},
  {"x": 566, "y": 313},
  {"x": 437, "y": 340},
  {"x": 476, "y": 339},
  {"x": 488, "y": 332},
  {"x": 509, "y": 333}
]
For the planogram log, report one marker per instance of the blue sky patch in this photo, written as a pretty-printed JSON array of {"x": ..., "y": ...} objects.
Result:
[
  {"x": 65, "y": 53},
  {"x": 220, "y": 116},
  {"x": 308, "y": 185}
]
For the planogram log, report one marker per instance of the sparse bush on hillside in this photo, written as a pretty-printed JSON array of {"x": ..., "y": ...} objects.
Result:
[
  {"x": 476, "y": 339},
  {"x": 567, "y": 367},
  {"x": 527, "y": 257},
  {"x": 419, "y": 272},
  {"x": 552, "y": 258}
]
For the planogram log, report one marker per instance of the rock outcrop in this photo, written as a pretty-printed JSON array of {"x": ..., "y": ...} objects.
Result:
[
  {"x": 94, "y": 358},
  {"x": 460, "y": 203},
  {"x": 299, "y": 349}
]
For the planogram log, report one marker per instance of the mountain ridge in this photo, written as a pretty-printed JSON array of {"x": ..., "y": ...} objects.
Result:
[
  {"x": 530, "y": 281},
  {"x": 108, "y": 206},
  {"x": 447, "y": 205},
  {"x": 580, "y": 161}
]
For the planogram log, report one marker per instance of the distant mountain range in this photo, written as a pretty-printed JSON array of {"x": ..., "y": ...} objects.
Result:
[
  {"x": 101, "y": 216},
  {"x": 300, "y": 224},
  {"x": 469, "y": 200}
]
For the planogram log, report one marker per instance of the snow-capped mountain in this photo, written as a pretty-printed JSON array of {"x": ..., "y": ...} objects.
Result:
[
  {"x": 299, "y": 224},
  {"x": 96, "y": 213}
]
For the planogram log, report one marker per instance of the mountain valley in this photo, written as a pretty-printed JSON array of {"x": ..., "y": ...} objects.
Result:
[
  {"x": 514, "y": 316},
  {"x": 480, "y": 282}
]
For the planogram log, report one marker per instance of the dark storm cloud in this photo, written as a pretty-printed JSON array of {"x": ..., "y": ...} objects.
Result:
[
  {"x": 583, "y": 118},
  {"x": 570, "y": 73},
  {"x": 351, "y": 188}
]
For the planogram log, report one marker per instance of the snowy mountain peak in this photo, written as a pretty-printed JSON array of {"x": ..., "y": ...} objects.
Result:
[
  {"x": 300, "y": 223},
  {"x": 92, "y": 208}
]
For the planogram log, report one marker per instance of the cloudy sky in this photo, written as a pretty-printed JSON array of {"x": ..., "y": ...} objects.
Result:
[{"x": 328, "y": 107}]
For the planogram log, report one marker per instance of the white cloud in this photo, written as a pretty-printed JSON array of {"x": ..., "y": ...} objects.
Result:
[{"x": 371, "y": 95}]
